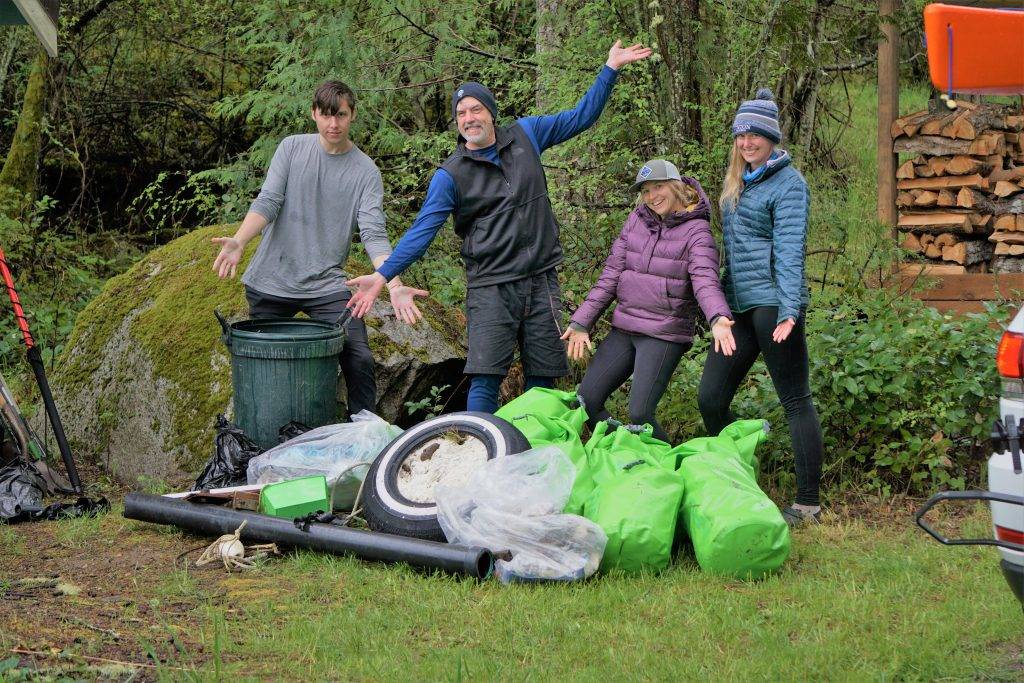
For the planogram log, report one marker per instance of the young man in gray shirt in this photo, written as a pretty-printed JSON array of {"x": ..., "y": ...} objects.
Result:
[{"x": 318, "y": 188}]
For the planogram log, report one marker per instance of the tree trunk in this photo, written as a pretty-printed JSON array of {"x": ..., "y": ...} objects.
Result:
[
  {"x": 13, "y": 38},
  {"x": 804, "y": 103},
  {"x": 18, "y": 177},
  {"x": 677, "y": 40},
  {"x": 547, "y": 42}
]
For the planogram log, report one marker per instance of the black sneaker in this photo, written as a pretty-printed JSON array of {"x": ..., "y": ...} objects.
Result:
[{"x": 795, "y": 517}]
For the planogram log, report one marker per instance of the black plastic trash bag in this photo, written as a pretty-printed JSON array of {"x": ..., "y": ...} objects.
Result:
[
  {"x": 231, "y": 454},
  {"x": 22, "y": 488},
  {"x": 291, "y": 430}
]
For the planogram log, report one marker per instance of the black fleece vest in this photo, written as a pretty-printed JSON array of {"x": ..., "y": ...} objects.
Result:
[{"x": 504, "y": 217}]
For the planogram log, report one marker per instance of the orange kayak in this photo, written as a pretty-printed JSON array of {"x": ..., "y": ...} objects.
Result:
[{"x": 975, "y": 50}]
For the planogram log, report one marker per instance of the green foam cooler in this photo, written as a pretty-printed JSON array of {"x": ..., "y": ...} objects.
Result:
[{"x": 295, "y": 497}]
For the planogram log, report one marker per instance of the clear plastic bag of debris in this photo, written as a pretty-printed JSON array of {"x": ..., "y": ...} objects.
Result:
[
  {"x": 341, "y": 452},
  {"x": 513, "y": 507}
]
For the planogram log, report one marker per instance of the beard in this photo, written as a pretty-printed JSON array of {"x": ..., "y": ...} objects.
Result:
[{"x": 478, "y": 136}]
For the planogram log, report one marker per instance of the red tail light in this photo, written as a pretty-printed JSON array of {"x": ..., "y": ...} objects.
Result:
[
  {"x": 1010, "y": 355},
  {"x": 1010, "y": 535}
]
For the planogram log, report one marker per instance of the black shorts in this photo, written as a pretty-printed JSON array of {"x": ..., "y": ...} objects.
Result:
[{"x": 527, "y": 312}]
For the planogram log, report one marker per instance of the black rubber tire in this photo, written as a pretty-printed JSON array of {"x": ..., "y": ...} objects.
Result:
[{"x": 387, "y": 510}]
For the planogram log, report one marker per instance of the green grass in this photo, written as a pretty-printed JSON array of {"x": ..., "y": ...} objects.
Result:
[{"x": 853, "y": 603}]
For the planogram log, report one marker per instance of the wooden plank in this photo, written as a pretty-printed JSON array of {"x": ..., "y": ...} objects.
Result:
[
  {"x": 934, "y": 125},
  {"x": 888, "y": 83},
  {"x": 1008, "y": 266},
  {"x": 1008, "y": 249},
  {"x": 1015, "y": 237},
  {"x": 938, "y": 165},
  {"x": 962, "y": 164},
  {"x": 960, "y": 222},
  {"x": 1005, "y": 222},
  {"x": 957, "y": 307},
  {"x": 906, "y": 170},
  {"x": 974, "y": 286},
  {"x": 973, "y": 180},
  {"x": 932, "y": 144},
  {"x": 935, "y": 145},
  {"x": 1016, "y": 173},
  {"x": 969, "y": 124},
  {"x": 966, "y": 253},
  {"x": 1004, "y": 188},
  {"x": 926, "y": 198},
  {"x": 979, "y": 201},
  {"x": 910, "y": 271},
  {"x": 980, "y": 220},
  {"x": 911, "y": 243}
]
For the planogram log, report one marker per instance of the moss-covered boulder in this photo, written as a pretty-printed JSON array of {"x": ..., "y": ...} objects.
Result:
[{"x": 145, "y": 373}]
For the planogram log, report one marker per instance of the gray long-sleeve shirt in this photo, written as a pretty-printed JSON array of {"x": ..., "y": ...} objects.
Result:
[{"x": 313, "y": 201}]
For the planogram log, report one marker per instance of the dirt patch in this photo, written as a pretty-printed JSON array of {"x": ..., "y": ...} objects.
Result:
[{"x": 103, "y": 598}]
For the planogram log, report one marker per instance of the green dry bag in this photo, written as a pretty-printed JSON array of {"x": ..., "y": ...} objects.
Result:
[
  {"x": 735, "y": 528},
  {"x": 609, "y": 448},
  {"x": 564, "y": 405},
  {"x": 552, "y": 431},
  {"x": 638, "y": 507}
]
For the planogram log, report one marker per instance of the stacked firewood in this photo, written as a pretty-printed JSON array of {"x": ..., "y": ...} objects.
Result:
[{"x": 961, "y": 197}]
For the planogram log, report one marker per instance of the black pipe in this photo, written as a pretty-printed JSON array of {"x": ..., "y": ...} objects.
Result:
[
  {"x": 36, "y": 361},
  {"x": 367, "y": 545}
]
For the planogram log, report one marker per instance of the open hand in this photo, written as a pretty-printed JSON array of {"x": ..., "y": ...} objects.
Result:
[
  {"x": 619, "y": 56},
  {"x": 230, "y": 254},
  {"x": 782, "y": 331},
  {"x": 577, "y": 342},
  {"x": 403, "y": 301},
  {"x": 367, "y": 288},
  {"x": 722, "y": 332}
]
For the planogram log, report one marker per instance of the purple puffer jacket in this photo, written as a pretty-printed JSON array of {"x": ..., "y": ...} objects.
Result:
[{"x": 659, "y": 271}]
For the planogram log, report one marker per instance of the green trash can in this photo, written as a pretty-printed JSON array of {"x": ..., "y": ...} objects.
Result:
[{"x": 283, "y": 369}]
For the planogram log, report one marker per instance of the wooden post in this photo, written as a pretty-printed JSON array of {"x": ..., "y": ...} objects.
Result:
[{"x": 888, "y": 110}]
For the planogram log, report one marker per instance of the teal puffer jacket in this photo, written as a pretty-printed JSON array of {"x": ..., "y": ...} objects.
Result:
[{"x": 765, "y": 236}]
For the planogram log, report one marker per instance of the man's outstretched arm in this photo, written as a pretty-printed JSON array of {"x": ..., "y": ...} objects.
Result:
[
  {"x": 549, "y": 130},
  {"x": 263, "y": 211},
  {"x": 440, "y": 202}
]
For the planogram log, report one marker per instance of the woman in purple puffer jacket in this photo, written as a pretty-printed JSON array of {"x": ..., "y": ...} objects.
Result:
[{"x": 663, "y": 265}]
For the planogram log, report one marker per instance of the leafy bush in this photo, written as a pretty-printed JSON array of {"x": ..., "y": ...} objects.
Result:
[
  {"x": 906, "y": 395},
  {"x": 55, "y": 274}
]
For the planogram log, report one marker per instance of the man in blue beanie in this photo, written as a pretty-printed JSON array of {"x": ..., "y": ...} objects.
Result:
[{"x": 495, "y": 187}]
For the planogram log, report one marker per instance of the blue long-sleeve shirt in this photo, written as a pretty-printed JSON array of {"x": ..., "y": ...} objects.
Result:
[{"x": 442, "y": 197}]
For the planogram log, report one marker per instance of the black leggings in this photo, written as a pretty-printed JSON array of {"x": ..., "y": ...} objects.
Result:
[
  {"x": 787, "y": 365},
  {"x": 650, "y": 361}
]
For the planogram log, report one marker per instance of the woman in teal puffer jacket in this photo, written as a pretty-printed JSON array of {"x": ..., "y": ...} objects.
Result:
[{"x": 765, "y": 205}]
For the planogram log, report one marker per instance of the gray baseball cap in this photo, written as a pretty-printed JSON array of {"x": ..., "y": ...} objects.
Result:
[{"x": 655, "y": 169}]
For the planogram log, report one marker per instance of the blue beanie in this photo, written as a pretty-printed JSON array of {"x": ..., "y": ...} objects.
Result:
[
  {"x": 473, "y": 89},
  {"x": 759, "y": 115}
]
